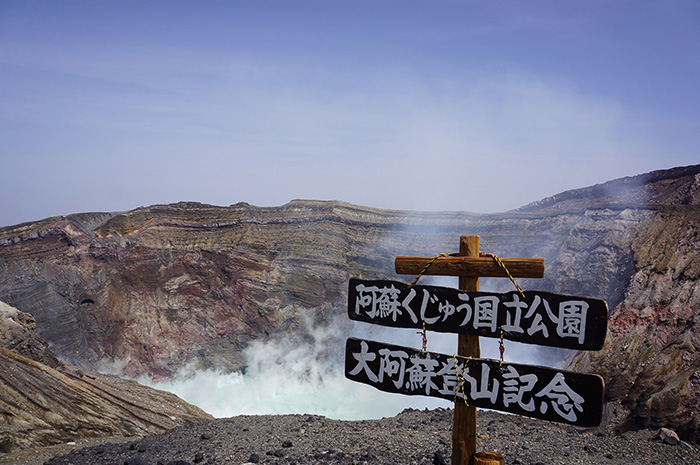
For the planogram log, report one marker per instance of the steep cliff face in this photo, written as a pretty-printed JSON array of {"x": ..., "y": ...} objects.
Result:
[
  {"x": 160, "y": 287},
  {"x": 651, "y": 361},
  {"x": 167, "y": 285},
  {"x": 17, "y": 334},
  {"x": 164, "y": 286},
  {"x": 44, "y": 401}
]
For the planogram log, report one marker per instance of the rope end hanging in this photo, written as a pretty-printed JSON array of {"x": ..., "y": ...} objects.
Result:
[
  {"x": 501, "y": 348},
  {"x": 499, "y": 262},
  {"x": 425, "y": 341},
  {"x": 460, "y": 379},
  {"x": 413, "y": 283}
]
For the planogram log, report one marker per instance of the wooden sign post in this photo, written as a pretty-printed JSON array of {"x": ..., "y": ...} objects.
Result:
[
  {"x": 464, "y": 423},
  {"x": 533, "y": 317}
]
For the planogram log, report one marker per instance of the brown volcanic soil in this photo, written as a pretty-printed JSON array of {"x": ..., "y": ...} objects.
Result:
[{"x": 412, "y": 437}]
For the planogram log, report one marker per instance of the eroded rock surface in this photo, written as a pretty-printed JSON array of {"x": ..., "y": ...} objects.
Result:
[
  {"x": 651, "y": 360},
  {"x": 161, "y": 287},
  {"x": 44, "y": 401},
  {"x": 17, "y": 333}
]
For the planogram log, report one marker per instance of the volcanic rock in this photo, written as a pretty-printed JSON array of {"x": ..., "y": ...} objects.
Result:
[
  {"x": 412, "y": 437},
  {"x": 668, "y": 436},
  {"x": 17, "y": 333},
  {"x": 44, "y": 401},
  {"x": 651, "y": 361},
  {"x": 162, "y": 287}
]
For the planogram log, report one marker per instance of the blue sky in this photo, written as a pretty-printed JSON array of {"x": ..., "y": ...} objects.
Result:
[{"x": 478, "y": 106}]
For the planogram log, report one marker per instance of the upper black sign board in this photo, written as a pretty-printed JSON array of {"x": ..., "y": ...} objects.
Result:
[
  {"x": 533, "y": 391},
  {"x": 540, "y": 317}
]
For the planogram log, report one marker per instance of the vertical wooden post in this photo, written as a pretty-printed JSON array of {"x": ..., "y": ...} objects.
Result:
[{"x": 464, "y": 426}]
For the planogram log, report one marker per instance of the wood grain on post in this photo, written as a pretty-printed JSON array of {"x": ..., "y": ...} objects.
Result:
[
  {"x": 464, "y": 426},
  {"x": 488, "y": 458},
  {"x": 471, "y": 266}
]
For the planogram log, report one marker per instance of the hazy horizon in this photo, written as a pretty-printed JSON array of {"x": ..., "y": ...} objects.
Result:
[{"x": 440, "y": 106}]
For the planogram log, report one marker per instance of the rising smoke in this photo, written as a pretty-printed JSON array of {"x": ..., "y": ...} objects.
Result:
[{"x": 301, "y": 372}]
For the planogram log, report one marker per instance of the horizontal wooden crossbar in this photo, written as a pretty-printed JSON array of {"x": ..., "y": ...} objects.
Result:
[{"x": 475, "y": 267}]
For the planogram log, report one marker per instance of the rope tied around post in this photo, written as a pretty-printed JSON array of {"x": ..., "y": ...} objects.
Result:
[{"x": 460, "y": 378}]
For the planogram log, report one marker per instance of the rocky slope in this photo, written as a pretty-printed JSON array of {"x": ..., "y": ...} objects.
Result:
[
  {"x": 651, "y": 360},
  {"x": 44, "y": 401},
  {"x": 159, "y": 287},
  {"x": 412, "y": 437}
]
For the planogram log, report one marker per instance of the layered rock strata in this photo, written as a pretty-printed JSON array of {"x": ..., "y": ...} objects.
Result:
[
  {"x": 651, "y": 360},
  {"x": 161, "y": 287},
  {"x": 44, "y": 401}
]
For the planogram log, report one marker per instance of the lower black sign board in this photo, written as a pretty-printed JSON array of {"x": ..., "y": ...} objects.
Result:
[{"x": 532, "y": 391}]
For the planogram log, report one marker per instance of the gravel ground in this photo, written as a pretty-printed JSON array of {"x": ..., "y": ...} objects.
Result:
[{"x": 412, "y": 437}]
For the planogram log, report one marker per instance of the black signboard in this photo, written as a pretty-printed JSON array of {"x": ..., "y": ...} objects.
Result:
[
  {"x": 540, "y": 317},
  {"x": 533, "y": 391}
]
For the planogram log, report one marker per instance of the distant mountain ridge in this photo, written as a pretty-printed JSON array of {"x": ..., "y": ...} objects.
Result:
[
  {"x": 164, "y": 286},
  {"x": 663, "y": 187}
]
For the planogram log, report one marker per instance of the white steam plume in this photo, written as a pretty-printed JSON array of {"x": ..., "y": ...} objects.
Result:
[{"x": 295, "y": 373}]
